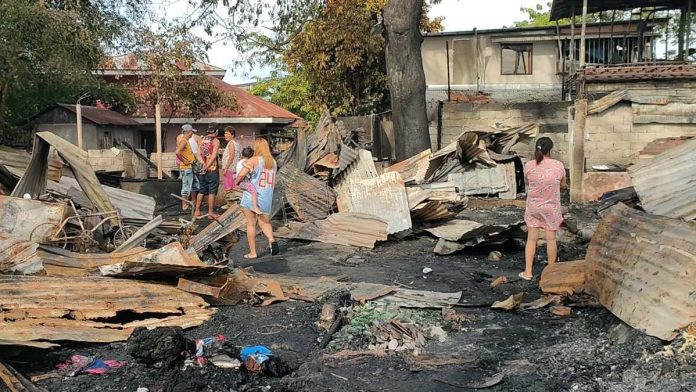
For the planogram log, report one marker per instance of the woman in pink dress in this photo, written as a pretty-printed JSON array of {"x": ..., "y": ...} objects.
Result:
[{"x": 544, "y": 177}]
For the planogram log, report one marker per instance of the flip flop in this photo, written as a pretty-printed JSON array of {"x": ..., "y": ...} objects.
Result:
[
  {"x": 274, "y": 248},
  {"x": 248, "y": 256},
  {"x": 521, "y": 275}
]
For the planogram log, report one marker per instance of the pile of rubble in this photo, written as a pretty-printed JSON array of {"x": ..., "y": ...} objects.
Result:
[{"x": 329, "y": 171}]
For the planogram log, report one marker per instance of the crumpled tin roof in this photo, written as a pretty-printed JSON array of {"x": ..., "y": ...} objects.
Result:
[
  {"x": 666, "y": 184},
  {"x": 642, "y": 267}
]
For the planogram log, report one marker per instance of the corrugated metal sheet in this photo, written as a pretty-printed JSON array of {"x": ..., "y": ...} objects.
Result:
[
  {"x": 362, "y": 169},
  {"x": 33, "y": 181},
  {"x": 19, "y": 160},
  {"x": 642, "y": 268},
  {"x": 130, "y": 205},
  {"x": 481, "y": 181},
  {"x": 658, "y": 146},
  {"x": 311, "y": 198},
  {"x": 102, "y": 116},
  {"x": 345, "y": 228},
  {"x": 412, "y": 169},
  {"x": 346, "y": 157},
  {"x": 384, "y": 197},
  {"x": 666, "y": 184},
  {"x": 229, "y": 221},
  {"x": 86, "y": 309},
  {"x": 23, "y": 223}
]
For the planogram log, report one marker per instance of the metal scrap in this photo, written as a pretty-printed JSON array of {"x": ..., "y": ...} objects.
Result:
[
  {"x": 34, "y": 181},
  {"x": 641, "y": 267},
  {"x": 344, "y": 228},
  {"x": 665, "y": 183},
  {"x": 18, "y": 160},
  {"x": 311, "y": 198},
  {"x": 228, "y": 222},
  {"x": 86, "y": 309},
  {"x": 412, "y": 169},
  {"x": 24, "y": 224},
  {"x": 362, "y": 168},
  {"x": 130, "y": 205},
  {"x": 383, "y": 196},
  {"x": 459, "y": 234}
]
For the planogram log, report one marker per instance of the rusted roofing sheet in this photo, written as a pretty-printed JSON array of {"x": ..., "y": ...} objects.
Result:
[
  {"x": 352, "y": 229},
  {"x": 23, "y": 223},
  {"x": 481, "y": 181},
  {"x": 129, "y": 204},
  {"x": 362, "y": 168},
  {"x": 414, "y": 168},
  {"x": 666, "y": 184},
  {"x": 642, "y": 268},
  {"x": 384, "y": 197},
  {"x": 658, "y": 146},
  {"x": 86, "y": 309},
  {"x": 33, "y": 181},
  {"x": 229, "y": 221},
  {"x": 311, "y": 198},
  {"x": 19, "y": 160},
  {"x": 102, "y": 116}
]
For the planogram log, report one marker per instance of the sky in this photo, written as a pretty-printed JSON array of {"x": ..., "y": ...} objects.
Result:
[{"x": 458, "y": 14}]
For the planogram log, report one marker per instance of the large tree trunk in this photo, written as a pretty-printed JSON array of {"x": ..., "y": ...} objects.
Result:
[{"x": 406, "y": 76}]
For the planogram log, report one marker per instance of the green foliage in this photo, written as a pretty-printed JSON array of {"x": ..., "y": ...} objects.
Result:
[
  {"x": 48, "y": 49},
  {"x": 290, "y": 91},
  {"x": 538, "y": 15},
  {"x": 174, "y": 81}
]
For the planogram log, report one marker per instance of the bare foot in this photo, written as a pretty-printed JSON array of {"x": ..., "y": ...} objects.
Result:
[
  {"x": 250, "y": 256},
  {"x": 197, "y": 214},
  {"x": 525, "y": 276}
]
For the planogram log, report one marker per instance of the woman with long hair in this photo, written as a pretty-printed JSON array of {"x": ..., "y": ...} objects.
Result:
[
  {"x": 261, "y": 169},
  {"x": 544, "y": 177}
]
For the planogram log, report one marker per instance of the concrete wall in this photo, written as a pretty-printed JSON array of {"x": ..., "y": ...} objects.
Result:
[
  {"x": 542, "y": 85},
  {"x": 125, "y": 160},
  {"x": 613, "y": 137},
  {"x": 552, "y": 119},
  {"x": 90, "y": 139}
]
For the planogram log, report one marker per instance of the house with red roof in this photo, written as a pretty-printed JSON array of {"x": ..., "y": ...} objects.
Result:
[{"x": 252, "y": 117}]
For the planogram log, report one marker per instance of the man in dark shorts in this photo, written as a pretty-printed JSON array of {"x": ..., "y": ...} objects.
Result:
[{"x": 209, "y": 177}]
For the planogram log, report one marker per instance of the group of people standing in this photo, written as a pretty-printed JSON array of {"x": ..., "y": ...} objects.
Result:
[
  {"x": 249, "y": 170},
  {"x": 253, "y": 170}
]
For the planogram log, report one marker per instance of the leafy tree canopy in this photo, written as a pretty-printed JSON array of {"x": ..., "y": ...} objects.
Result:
[{"x": 48, "y": 49}]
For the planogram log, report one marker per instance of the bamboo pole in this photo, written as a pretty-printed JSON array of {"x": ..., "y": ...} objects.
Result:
[{"x": 158, "y": 137}]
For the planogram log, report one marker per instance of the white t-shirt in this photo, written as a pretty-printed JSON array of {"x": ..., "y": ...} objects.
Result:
[{"x": 240, "y": 165}]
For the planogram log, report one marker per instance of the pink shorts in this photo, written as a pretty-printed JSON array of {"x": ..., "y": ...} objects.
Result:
[
  {"x": 228, "y": 180},
  {"x": 248, "y": 186}
]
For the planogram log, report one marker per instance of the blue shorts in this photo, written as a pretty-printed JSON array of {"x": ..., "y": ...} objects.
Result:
[{"x": 189, "y": 182}]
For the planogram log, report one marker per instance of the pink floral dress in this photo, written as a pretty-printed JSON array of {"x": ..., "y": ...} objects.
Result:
[{"x": 543, "y": 209}]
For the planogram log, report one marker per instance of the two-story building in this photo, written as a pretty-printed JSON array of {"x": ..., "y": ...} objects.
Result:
[{"x": 527, "y": 64}]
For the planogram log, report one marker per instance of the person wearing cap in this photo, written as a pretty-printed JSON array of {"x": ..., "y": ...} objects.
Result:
[
  {"x": 209, "y": 176},
  {"x": 185, "y": 159}
]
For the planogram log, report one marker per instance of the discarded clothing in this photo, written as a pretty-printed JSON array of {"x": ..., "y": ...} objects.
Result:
[
  {"x": 205, "y": 343},
  {"x": 79, "y": 364},
  {"x": 254, "y": 357}
]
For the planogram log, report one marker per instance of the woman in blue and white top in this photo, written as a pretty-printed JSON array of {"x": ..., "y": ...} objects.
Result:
[{"x": 262, "y": 170}]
